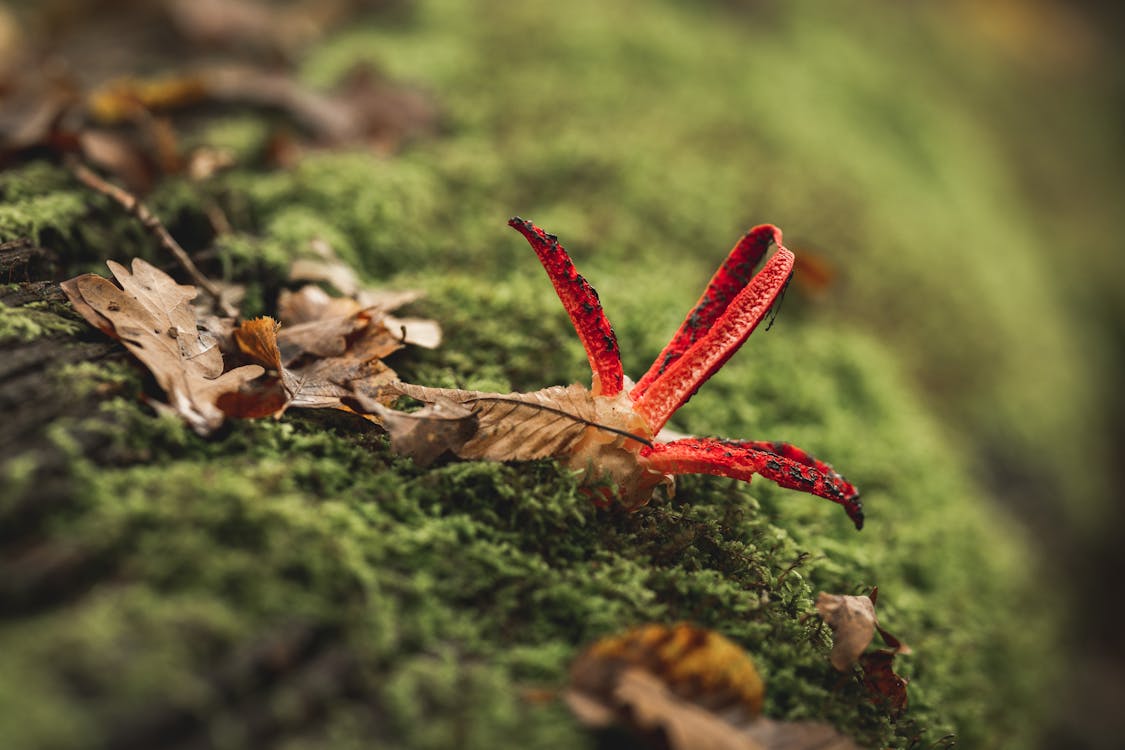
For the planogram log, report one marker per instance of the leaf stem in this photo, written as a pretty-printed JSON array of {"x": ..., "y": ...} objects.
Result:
[{"x": 133, "y": 205}]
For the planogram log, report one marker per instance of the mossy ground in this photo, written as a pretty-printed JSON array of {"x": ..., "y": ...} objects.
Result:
[{"x": 421, "y": 607}]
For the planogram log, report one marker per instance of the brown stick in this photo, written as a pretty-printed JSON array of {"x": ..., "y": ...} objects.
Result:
[{"x": 149, "y": 221}]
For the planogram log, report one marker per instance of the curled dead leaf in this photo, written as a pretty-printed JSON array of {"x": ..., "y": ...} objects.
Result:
[
  {"x": 257, "y": 339},
  {"x": 852, "y": 619},
  {"x": 853, "y": 623},
  {"x": 312, "y": 304},
  {"x": 332, "y": 371},
  {"x": 329, "y": 269}
]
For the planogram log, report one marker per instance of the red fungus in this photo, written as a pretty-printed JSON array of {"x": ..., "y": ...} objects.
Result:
[{"x": 731, "y": 307}]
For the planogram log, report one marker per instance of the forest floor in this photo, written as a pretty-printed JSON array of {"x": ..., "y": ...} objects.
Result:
[{"x": 294, "y": 582}]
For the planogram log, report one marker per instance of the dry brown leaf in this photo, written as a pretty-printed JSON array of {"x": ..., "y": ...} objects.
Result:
[
  {"x": 118, "y": 153},
  {"x": 311, "y": 303},
  {"x": 525, "y": 426},
  {"x": 318, "y": 323},
  {"x": 327, "y": 382},
  {"x": 151, "y": 314},
  {"x": 421, "y": 332},
  {"x": 853, "y": 623},
  {"x": 328, "y": 337},
  {"x": 328, "y": 351},
  {"x": 880, "y": 678},
  {"x": 257, "y": 339},
  {"x": 644, "y": 704},
  {"x": 595, "y": 436},
  {"x": 320, "y": 380},
  {"x": 684, "y": 688},
  {"x": 426, "y": 434},
  {"x": 852, "y": 619},
  {"x": 694, "y": 663}
]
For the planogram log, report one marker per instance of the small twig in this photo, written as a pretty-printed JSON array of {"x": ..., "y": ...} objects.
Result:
[{"x": 149, "y": 221}]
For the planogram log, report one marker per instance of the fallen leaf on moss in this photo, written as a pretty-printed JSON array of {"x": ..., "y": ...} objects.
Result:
[
  {"x": 320, "y": 362},
  {"x": 329, "y": 269},
  {"x": 318, "y": 380},
  {"x": 852, "y": 619},
  {"x": 557, "y": 421},
  {"x": 684, "y": 688},
  {"x": 311, "y": 303},
  {"x": 880, "y": 678},
  {"x": 257, "y": 339},
  {"x": 853, "y": 623},
  {"x": 323, "y": 328},
  {"x": 151, "y": 314},
  {"x": 426, "y": 434}
]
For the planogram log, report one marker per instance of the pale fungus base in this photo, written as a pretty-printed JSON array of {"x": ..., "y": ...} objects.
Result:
[{"x": 425, "y": 607}]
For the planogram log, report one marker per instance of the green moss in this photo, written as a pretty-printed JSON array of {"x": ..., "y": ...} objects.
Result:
[
  {"x": 244, "y": 137},
  {"x": 32, "y": 321},
  {"x": 431, "y": 599},
  {"x": 32, "y": 217},
  {"x": 89, "y": 378},
  {"x": 780, "y": 116},
  {"x": 380, "y": 206},
  {"x": 457, "y": 587}
]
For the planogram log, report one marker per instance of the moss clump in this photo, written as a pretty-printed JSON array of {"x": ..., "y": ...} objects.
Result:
[
  {"x": 29, "y": 322},
  {"x": 440, "y": 595},
  {"x": 39, "y": 198}
]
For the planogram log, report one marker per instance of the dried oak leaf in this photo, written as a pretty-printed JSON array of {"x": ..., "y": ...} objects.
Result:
[
  {"x": 327, "y": 351},
  {"x": 151, "y": 314},
  {"x": 684, "y": 688},
  {"x": 311, "y": 303}
]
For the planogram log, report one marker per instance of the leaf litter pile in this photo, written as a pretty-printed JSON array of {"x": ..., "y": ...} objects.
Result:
[{"x": 325, "y": 351}]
